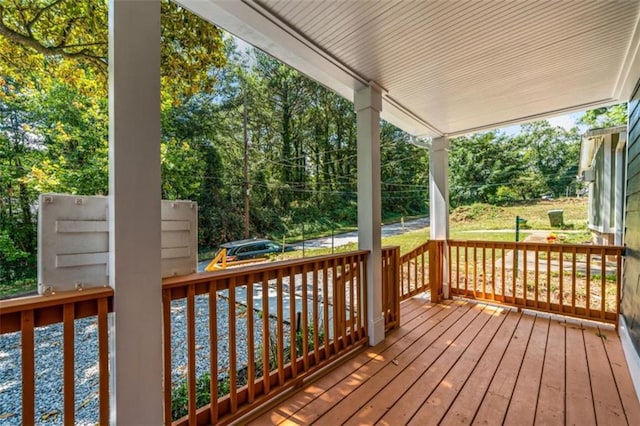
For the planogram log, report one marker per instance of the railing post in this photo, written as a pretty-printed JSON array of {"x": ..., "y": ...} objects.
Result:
[
  {"x": 435, "y": 269},
  {"x": 395, "y": 287}
]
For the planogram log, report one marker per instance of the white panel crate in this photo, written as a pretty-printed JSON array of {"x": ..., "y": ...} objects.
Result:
[
  {"x": 179, "y": 238},
  {"x": 73, "y": 242}
]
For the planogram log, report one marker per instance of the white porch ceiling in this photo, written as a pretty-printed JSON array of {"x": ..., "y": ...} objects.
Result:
[{"x": 451, "y": 67}]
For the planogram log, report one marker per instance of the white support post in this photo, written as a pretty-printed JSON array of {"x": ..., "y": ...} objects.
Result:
[
  {"x": 368, "y": 105},
  {"x": 620, "y": 167},
  {"x": 605, "y": 194},
  {"x": 134, "y": 212},
  {"x": 439, "y": 199}
]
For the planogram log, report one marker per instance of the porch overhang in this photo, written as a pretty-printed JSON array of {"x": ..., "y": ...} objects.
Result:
[{"x": 450, "y": 68}]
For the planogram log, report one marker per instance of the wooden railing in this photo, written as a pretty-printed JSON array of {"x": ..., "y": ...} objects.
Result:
[
  {"x": 25, "y": 315},
  {"x": 390, "y": 287},
  {"x": 575, "y": 280},
  {"x": 269, "y": 325},
  {"x": 414, "y": 272}
]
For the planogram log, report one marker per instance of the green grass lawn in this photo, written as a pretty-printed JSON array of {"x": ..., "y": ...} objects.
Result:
[
  {"x": 18, "y": 288},
  {"x": 485, "y": 216}
]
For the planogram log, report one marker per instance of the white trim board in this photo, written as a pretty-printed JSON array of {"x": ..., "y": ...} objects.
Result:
[{"x": 630, "y": 354}]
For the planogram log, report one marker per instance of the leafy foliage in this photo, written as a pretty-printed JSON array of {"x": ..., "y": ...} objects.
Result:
[
  {"x": 615, "y": 115},
  {"x": 496, "y": 168},
  {"x": 44, "y": 33}
]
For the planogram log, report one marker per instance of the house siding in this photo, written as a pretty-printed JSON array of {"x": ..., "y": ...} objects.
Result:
[
  {"x": 596, "y": 190},
  {"x": 630, "y": 305}
]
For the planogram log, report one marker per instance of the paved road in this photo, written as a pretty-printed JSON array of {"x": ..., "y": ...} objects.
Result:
[{"x": 352, "y": 237}]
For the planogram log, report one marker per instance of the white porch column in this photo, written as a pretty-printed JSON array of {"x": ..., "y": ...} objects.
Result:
[
  {"x": 606, "y": 191},
  {"x": 439, "y": 198},
  {"x": 620, "y": 167},
  {"x": 134, "y": 212},
  {"x": 439, "y": 188},
  {"x": 368, "y": 104}
]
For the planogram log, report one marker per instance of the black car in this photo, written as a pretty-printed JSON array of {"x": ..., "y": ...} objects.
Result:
[{"x": 251, "y": 249}]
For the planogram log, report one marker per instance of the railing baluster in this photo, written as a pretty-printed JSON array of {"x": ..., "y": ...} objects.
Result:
[
  {"x": 423, "y": 269},
  {"x": 68, "y": 369},
  {"x": 603, "y": 280},
  {"x": 493, "y": 272},
  {"x": 28, "y": 367},
  {"x": 573, "y": 280},
  {"x": 588, "y": 285},
  {"x": 386, "y": 302},
  {"x": 191, "y": 353},
  {"x": 293, "y": 324},
  {"x": 316, "y": 316},
  {"x": 358, "y": 297},
  {"x": 466, "y": 268},
  {"x": 233, "y": 350},
  {"x": 525, "y": 272},
  {"x": 618, "y": 287},
  {"x": 342, "y": 288},
  {"x": 561, "y": 276},
  {"x": 251, "y": 358},
  {"x": 280, "y": 335},
  {"x": 549, "y": 278},
  {"x": 337, "y": 306},
  {"x": 363, "y": 288},
  {"x": 475, "y": 269},
  {"x": 484, "y": 272},
  {"x": 266, "y": 339},
  {"x": 536, "y": 269},
  {"x": 503, "y": 281},
  {"x": 415, "y": 259},
  {"x": 325, "y": 299},
  {"x": 451, "y": 268},
  {"x": 166, "y": 358},
  {"x": 103, "y": 362},
  {"x": 352, "y": 269},
  {"x": 514, "y": 274},
  {"x": 213, "y": 351},
  {"x": 305, "y": 318}
]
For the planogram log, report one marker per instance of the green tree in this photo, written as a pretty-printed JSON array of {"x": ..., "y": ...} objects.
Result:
[
  {"x": 481, "y": 166},
  {"x": 78, "y": 30},
  {"x": 17, "y": 221},
  {"x": 615, "y": 115}
]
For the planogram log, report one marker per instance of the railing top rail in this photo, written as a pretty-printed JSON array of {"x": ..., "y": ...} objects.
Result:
[
  {"x": 554, "y": 246},
  {"x": 252, "y": 269},
  {"x": 420, "y": 249},
  {"x": 20, "y": 304}
]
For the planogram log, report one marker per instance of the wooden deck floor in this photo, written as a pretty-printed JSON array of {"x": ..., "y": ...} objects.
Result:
[{"x": 465, "y": 363}]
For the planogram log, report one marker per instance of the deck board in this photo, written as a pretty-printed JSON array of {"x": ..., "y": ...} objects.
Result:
[
  {"x": 522, "y": 407},
  {"x": 435, "y": 359},
  {"x": 621, "y": 374},
  {"x": 550, "y": 410},
  {"x": 464, "y": 363},
  {"x": 464, "y": 408},
  {"x": 496, "y": 402},
  {"x": 605, "y": 394},
  {"x": 420, "y": 354},
  {"x": 446, "y": 390},
  {"x": 578, "y": 398}
]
